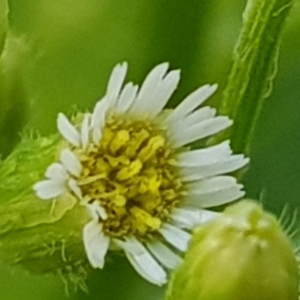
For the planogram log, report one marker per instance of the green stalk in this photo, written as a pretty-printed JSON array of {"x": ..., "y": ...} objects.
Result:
[
  {"x": 3, "y": 22},
  {"x": 14, "y": 98},
  {"x": 254, "y": 68}
]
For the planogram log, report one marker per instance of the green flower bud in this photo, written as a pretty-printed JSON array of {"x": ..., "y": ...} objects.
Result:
[
  {"x": 38, "y": 235},
  {"x": 241, "y": 255}
]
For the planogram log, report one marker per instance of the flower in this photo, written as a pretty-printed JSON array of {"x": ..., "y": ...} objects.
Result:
[{"x": 128, "y": 162}]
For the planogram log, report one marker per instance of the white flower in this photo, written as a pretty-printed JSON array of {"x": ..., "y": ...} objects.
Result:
[{"x": 129, "y": 163}]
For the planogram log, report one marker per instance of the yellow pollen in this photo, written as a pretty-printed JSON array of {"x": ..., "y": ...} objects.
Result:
[
  {"x": 133, "y": 169},
  {"x": 145, "y": 218},
  {"x": 130, "y": 174},
  {"x": 119, "y": 200},
  {"x": 121, "y": 138},
  {"x": 151, "y": 148},
  {"x": 154, "y": 184}
]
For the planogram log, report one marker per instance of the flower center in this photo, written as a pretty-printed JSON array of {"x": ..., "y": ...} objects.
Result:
[{"x": 131, "y": 175}]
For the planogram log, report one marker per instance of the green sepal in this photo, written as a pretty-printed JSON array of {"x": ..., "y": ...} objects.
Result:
[{"x": 40, "y": 236}]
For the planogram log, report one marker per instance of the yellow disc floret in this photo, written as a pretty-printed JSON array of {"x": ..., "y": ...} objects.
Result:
[{"x": 131, "y": 176}]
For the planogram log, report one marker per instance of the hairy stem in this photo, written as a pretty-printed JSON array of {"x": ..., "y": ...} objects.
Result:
[{"x": 254, "y": 67}]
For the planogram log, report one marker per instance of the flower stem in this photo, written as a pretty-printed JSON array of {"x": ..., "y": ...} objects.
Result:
[
  {"x": 254, "y": 68},
  {"x": 14, "y": 95},
  {"x": 3, "y": 22}
]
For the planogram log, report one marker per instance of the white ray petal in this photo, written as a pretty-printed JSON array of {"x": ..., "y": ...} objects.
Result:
[
  {"x": 198, "y": 116},
  {"x": 161, "y": 94},
  {"x": 223, "y": 166},
  {"x": 191, "y": 102},
  {"x": 129, "y": 245},
  {"x": 127, "y": 97},
  {"x": 73, "y": 186},
  {"x": 204, "y": 156},
  {"x": 48, "y": 189},
  {"x": 96, "y": 244},
  {"x": 97, "y": 211},
  {"x": 164, "y": 254},
  {"x": 148, "y": 88},
  {"x": 98, "y": 119},
  {"x": 175, "y": 236},
  {"x": 213, "y": 191},
  {"x": 70, "y": 162},
  {"x": 57, "y": 173},
  {"x": 146, "y": 265},
  {"x": 85, "y": 130},
  {"x": 211, "y": 184},
  {"x": 187, "y": 217},
  {"x": 204, "y": 129},
  {"x": 115, "y": 83},
  {"x": 67, "y": 130},
  {"x": 215, "y": 198}
]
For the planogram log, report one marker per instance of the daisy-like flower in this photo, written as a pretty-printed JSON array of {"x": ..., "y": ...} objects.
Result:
[{"x": 129, "y": 163}]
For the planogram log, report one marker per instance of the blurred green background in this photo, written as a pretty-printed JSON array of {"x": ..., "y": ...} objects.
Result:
[{"x": 75, "y": 44}]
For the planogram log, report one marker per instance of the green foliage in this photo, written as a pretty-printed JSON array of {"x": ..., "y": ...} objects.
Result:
[{"x": 77, "y": 43}]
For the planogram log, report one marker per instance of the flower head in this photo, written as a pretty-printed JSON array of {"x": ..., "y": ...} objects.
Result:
[{"x": 129, "y": 163}]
